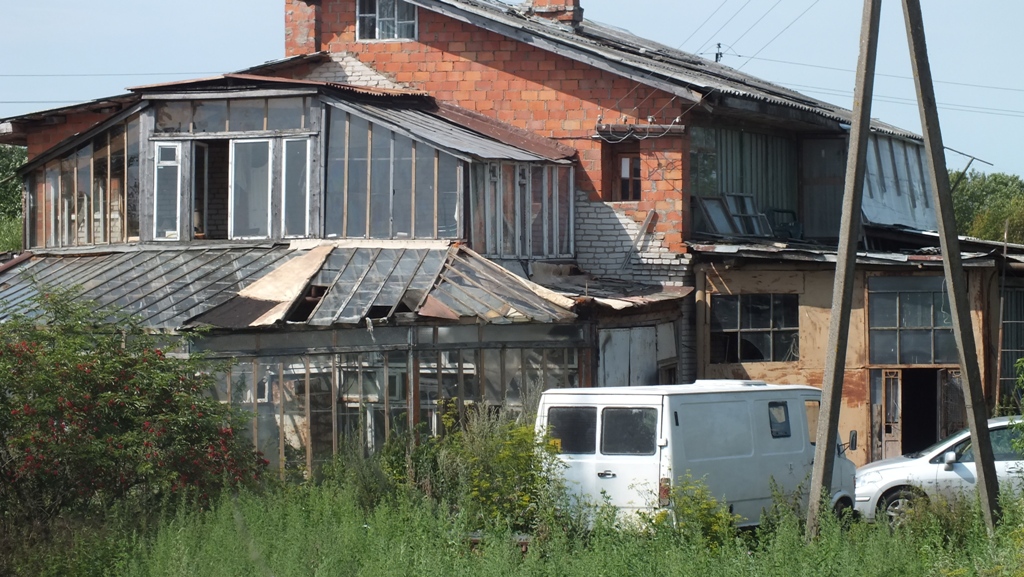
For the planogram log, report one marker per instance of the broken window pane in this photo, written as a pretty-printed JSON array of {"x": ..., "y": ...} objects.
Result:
[
  {"x": 285, "y": 113},
  {"x": 334, "y": 187},
  {"x": 756, "y": 311},
  {"x": 250, "y": 188},
  {"x": 296, "y": 187},
  {"x": 246, "y": 114},
  {"x": 174, "y": 116},
  {"x": 755, "y": 347},
  {"x": 380, "y": 182},
  {"x": 210, "y": 116},
  {"x": 358, "y": 165}
]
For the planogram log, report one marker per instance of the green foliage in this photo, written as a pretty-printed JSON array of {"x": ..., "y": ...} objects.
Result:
[
  {"x": 11, "y": 158},
  {"x": 695, "y": 515},
  {"x": 10, "y": 234},
  {"x": 96, "y": 413},
  {"x": 983, "y": 203}
]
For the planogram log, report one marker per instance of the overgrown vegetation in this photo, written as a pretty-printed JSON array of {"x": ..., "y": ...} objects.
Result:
[
  {"x": 11, "y": 157},
  {"x": 983, "y": 204}
]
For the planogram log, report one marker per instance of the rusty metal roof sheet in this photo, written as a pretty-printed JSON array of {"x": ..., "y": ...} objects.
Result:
[{"x": 619, "y": 51}]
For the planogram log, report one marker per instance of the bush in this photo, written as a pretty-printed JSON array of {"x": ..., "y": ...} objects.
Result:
[{"x": 97, "y": 413}]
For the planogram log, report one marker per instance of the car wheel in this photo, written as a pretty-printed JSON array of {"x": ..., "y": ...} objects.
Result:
[{"x": 896, "y": 504}]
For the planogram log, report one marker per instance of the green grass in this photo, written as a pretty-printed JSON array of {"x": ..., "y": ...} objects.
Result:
[
  {"x": 320, "y": 530},
  {"x": 10, "y": 234}
]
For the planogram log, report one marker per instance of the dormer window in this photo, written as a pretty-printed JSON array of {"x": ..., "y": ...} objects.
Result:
[{"x": 385, "y": 20}]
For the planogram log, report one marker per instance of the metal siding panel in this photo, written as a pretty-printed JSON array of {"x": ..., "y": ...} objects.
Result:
[
  {"x": 643, "y": 356},
  {"x": 613, "y": 357}
]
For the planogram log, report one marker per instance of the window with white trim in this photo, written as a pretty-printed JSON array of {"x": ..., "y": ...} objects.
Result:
[
  {"x": 167, "y": 187},
  {"x": 385, "y": 20}
]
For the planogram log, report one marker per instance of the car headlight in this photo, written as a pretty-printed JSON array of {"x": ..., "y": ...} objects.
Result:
[{"x": 868, "y": 479}]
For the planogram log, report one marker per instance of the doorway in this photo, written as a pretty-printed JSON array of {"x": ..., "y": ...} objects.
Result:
[{"x": 914, "y": 408}]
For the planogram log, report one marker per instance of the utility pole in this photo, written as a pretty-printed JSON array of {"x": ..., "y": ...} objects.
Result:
[
  {"x": 846, "y": 258},
  {"x": 956, "y": 284}
]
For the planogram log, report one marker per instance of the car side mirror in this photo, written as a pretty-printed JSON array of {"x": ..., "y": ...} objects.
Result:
[
  {"x": 949, "y": 459},
  {"x": 852, "y": 445}
]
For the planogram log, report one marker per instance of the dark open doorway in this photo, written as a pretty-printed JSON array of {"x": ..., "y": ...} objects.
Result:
[{"x": 920, "y": 408}]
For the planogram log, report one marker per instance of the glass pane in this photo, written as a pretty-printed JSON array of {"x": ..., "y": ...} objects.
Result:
[
  {"x": 380, "y": 182},
  {"x": 945, "y": 347},
  {"x": 813, "y": 409},
  {"x": 915, "y": 309},
  {"x": 785, "y": 346},
  {"x": 493, "y": 394},
  {"x": 778, "y": 419},
  {"x": 246, "y": 114},
  {"x": 882, "y": 310},
  {"x": 167, "y": 190},
  {"x": 132, "y": 178},
  {"x": 285, "y": 113},
  {"x": 321, "y": 399},
  {"x": 447, "y": 196},
  {"x": 174, "y": 116},
  {"x": 334, "y": 187},
  {"x": 83, "y": 182},
  {"x": 883, "y": 347},
  {"x": 424, "y": 191},
  {"x": 755, "y": 311},
  {"x": 406, "y": 13},
  {"x": 67, "y": 199},
  {"x": 99, "y": 189},
  {"x": 564, "y": 209},
  {"x": 296, "y": 187},
  {"x": 250, "y": 208},
  {"x": 573, "y": 430},
  {"x": 755, "y": 347},
  {"x": 724, "y": 348},
  {"x": 267, "y": 396},
  {"x": 117, "y": 161},
  {"x": 629, "y": 431},
  {"x": 210, "y": 116},
  {"x": 367, "y": 27},
  {"x": 940, "y": 310},
  {"x": 294, "y": 426},
  {"x": 915, "y": 347},
  {"x": 470, "y": 378},
  {"x": 785, "y": 311},
  {"x": 540, "y": 210},
  {"x": 724, "y": 312},
  {"x": 401, "y": 201},
  {"x": 358, "y": 164}
]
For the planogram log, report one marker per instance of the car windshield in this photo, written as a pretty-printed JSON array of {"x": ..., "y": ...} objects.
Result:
[{"x": 924, "y": 452}]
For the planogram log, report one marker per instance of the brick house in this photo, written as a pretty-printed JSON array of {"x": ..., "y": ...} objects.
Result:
[{"x": 466, "y": 200}]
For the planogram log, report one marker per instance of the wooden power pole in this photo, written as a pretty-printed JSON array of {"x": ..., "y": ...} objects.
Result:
[
  {"x": 956, "y": 283},
  {"x": 846, "y": 258}
]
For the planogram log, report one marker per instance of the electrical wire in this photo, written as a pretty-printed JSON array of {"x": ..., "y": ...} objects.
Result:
[
  {"x": 735, "y": 14},
  {"x": 706, "y": 20},
  {"x": 734, "y": 42}
]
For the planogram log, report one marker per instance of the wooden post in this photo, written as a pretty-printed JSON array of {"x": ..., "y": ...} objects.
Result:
[
  {"x": 846, "y": 258},
  {"x": 956, "y": 283}
]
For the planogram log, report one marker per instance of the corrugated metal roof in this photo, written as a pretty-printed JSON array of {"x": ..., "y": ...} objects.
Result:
[
  {"x": 164, "y": 286},
  {"x": 198, "y": 83},
  {"x": 443, "y": 133},
  {"x": 647, "y": 61}
]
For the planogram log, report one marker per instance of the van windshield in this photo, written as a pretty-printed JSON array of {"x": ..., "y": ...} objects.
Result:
[{"x": 573, "y": 430}]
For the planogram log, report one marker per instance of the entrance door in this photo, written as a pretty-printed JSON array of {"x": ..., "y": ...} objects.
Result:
[
  {"x": 952, "y": 407},
  {"x": 892, "y": 424}
]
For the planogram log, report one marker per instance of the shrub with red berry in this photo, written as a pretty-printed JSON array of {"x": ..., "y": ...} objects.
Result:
[{"x": 97, "y": 410}]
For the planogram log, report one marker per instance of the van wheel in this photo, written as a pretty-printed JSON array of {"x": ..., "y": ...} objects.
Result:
[{"x": 894, "y": 507}]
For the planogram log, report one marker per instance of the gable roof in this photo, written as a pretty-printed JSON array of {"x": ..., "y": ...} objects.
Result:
[{"x": 615, "y": 50}]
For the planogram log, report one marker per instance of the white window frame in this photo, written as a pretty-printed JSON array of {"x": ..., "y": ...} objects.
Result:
[
  {"x": 156, "y": 191},
  {"x": 360, "y": 35},
  {"x": 231, "y": 187},
  {"x": 284, "y": 187}
]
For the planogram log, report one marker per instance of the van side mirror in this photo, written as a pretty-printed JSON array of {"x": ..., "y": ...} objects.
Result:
[
  {"x": 852, "y": 445},
  {"x": 949, "y": 459}
]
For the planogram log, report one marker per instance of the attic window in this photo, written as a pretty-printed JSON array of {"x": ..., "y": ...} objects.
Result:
[{"x": 385, "y": 20}]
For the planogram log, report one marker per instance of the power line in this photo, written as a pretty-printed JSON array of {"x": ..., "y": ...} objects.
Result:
[
  {"x": 967, "y": 84},
  {"x": 734, "y": 42},
  {"x": 911, "y": 102},
  {"x": 694, "y": 33},
  {"x": 735, "y": 14}
]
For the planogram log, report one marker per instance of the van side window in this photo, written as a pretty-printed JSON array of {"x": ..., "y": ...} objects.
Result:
[
  {"x": 778, "y": 417},
  {"x": 573, "y": 430},
  {"x": 629, "y": 431},
  {"x": 813, "y": 408}
]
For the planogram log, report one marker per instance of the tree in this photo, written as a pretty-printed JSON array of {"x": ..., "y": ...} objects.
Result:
[
  {"x": 982, "y": 204},
  {"x": 11, "y": 158},
  {"x": 95, "y": 412}
]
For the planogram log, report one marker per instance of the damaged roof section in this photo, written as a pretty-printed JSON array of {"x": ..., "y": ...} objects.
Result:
[{"x": 348, "y": 283}]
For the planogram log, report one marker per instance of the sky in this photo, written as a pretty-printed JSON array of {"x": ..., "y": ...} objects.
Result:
[{"x": 60, "y": 52}]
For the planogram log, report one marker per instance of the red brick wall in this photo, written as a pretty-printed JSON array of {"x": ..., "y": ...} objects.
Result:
[
  {"x": 524, "y": 86},
  {"x": 43, "y": 138}
]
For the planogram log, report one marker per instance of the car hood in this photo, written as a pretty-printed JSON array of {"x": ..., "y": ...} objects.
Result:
[{"x": 884, "y": 464}]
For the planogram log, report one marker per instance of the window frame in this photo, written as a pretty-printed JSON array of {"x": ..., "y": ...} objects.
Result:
[
  {"x": 739, "y": 330},
  {"x": 157, "y": 164},
  {"x": 231, "y": 187},
  {"x": 362, "y": 17},
  {"x": 635, "y": 181},
  {"x": 901, "y": 288},
  {"x": 284, "y": 188}
]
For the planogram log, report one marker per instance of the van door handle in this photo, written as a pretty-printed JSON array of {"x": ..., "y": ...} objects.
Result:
[{"x": 606, "y": 475}]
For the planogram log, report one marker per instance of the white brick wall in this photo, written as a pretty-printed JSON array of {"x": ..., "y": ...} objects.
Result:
[{"x": 344, "y": 68}]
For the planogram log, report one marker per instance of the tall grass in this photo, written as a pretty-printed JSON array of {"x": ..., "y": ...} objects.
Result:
[
  {"x": 10, "y": 234},
  {"x": 418, "y": 510}
]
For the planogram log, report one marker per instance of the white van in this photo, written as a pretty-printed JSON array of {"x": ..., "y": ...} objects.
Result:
[{"x": 630, "y": 444}]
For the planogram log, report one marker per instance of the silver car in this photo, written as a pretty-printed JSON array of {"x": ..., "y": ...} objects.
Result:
[{"x": 946, "y": 469}]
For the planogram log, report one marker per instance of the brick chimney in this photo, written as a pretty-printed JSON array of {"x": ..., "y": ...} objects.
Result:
[
  {"x": 562, "y": 10},
  {"x": 303, "y": 22}
]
